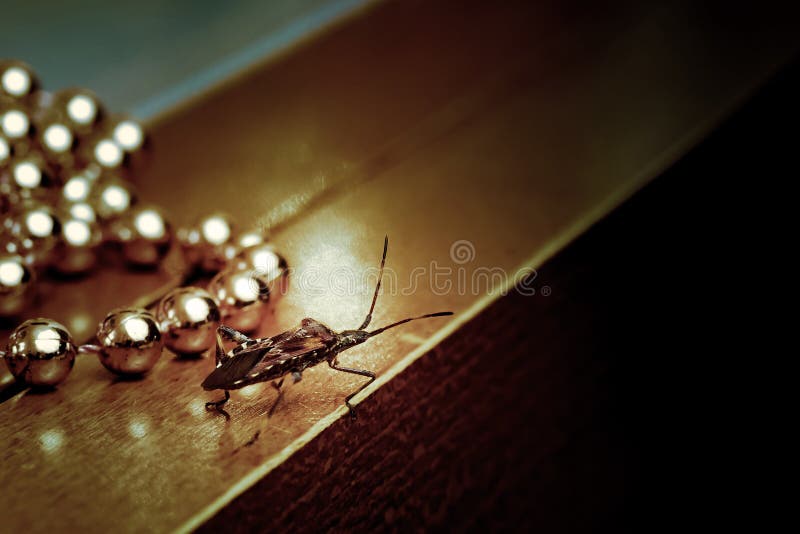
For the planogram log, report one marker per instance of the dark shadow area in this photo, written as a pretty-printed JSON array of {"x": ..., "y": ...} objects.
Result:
[{"x": 609, "y": 405}]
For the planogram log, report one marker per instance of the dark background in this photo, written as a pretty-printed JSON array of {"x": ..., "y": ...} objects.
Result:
[
  {"x": 669, "y": 300},
  {"x": 626, "y": 401}
]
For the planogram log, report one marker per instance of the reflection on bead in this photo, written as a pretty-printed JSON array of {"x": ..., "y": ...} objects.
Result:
[
  {"x": 81, "y": 211},
  {"x": 27, "y": 174},
  {"x": 130, "y": 342},
  {"x": 189, "y": 318},
  {"x": 80, "y": 107},
  {"x": 77, "y": 188},
  {"x": 16, "y": 285},
  {"x": 267, "y": 265},
  {"x": 211, "y": 244},
  {"x": 17, "y": 80},
  {"x": 40, "y": 352},
  {"x": 216, "y": 229},
  {"x": 5, "y": 152},
  {"x": 242, "y": 298},
  {"x": 33, "y": 230},
  {"x": 106, "y": 153},
  {"x": 127, "y": 133},
  {"x": 262, "y": 258},
  {"x": 249, "y": 239},
  {"x": 111, "y": 196},
  {"x": 56, "y": 138},
  {"x": 32, "y": 173},
  {"x": 15, "y": 123},
  {"x": 145, "y": 235},
  {"x": 76, "y": 251}
]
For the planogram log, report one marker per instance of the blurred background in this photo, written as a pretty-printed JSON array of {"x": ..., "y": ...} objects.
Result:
[{"x": 146, "y": 56}]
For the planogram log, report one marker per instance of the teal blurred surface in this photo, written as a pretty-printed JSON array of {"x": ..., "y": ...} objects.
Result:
[{"x": 148, "y": 56}]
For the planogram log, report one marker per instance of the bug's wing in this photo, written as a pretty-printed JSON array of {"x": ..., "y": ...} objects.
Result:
[
  {"x": 233, "y": 369},
  {"x": 245, "y": 357},
  {"x": 283, "y": 352},
  {"x": 258, "y": 344},
  {"x": 256, "y": 360}
]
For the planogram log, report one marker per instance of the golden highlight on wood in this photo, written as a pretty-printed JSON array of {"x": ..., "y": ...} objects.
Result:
[{"x": 511, "y": 127}]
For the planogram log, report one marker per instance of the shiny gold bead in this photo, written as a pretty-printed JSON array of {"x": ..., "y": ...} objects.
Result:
[
  {"x": 40, "y": 352},
  {"x": 34, "y": 230},
  {"x": 76, "y": 195},
  {"x": 104, "y": 151},
  {"x": 17, "y": 80},
  {"x": 78, "y": 185},
  {"x": 15, "y": 123},
  {"x": 16, "y": 285},
  {"x": 211, "y": 244},
  {"x": 111, "y": 196},
  {"x": 263, "y": 258},
  {"x": 250, "y": 239},
  {"x": 128, "y": 133},
  {"x": 33, "y": 176},
  {"x": 76, "y": 251},
  {"x": 189, "y": 318},
  {"x": 80, "y": 107},
  {"x": 144, "y": 234},
  {"x": 130, "y": 136},
  {"x": 130, "y": 341},
  {"x": 55, "y": 138},
  {"x": 267, "y": 265},
  {"x": 242, "y": 298}
]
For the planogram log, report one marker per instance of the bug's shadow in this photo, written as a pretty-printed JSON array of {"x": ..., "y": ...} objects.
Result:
[
  {"x": 274, "y": 404},
  {"x": 41, "y": 390},
  {"x": 127, "y": 378},
  {"x": 188, "y": 358},
  {"x": 112, "y": 379}
]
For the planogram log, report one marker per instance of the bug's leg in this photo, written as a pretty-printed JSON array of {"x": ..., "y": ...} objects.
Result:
[
  {"x": 232, "y": 335},
  {"x": 297, "y": 376},
  {"x": 218, "y": 405},
  {"x": 361, "y": 372},
  {"x": 220, "y": 354},
  {"x": 277, "y": 385}
]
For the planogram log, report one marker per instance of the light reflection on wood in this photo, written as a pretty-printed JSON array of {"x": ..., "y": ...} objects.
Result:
[{"x": 508, "y": 140}]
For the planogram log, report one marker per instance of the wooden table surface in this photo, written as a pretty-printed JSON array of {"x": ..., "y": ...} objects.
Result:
[{"x": 506, "y": 130}]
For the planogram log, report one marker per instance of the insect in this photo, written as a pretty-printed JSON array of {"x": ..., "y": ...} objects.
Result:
[{"x": 290, "y": 353}]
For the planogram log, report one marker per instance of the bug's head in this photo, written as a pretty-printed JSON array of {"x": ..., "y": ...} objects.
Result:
[{"x": 360, "y": 335}]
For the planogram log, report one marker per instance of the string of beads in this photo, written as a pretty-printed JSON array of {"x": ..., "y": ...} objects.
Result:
[{"x": 67, "y": 201}]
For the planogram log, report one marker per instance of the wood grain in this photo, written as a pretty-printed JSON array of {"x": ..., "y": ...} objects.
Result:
[
  {"x": 512, "y": 127},
  {"x": 583, "y": 411}
]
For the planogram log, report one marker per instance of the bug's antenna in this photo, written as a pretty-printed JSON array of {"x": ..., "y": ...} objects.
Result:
[
  {"x": 377, "y": 287},
  {"x": 398, "y": 323}
]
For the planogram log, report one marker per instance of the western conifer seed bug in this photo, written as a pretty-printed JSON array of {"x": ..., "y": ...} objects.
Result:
[{"x": 272, "y": 358}]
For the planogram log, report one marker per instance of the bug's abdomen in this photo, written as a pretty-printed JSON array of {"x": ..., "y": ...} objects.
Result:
[
  {"x": 274, "y": 369},
  {"x": 268, "y": 372},
  {"x": 278, "y": 367}
]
